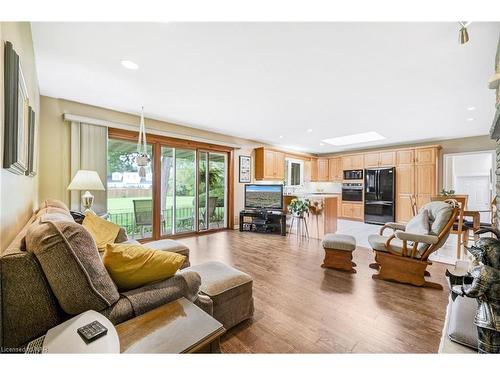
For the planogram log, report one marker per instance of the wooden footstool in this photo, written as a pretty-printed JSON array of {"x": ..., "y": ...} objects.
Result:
[{"x": 338, "y": 252}]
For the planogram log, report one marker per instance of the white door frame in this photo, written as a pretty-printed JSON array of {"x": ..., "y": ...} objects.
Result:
[{"x": 446, "y": 166}]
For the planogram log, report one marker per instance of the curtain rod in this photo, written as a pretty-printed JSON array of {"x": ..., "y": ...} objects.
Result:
[{"x": 118, "y": 125}]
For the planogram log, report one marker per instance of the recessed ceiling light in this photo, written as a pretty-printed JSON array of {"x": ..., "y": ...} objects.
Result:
[
  {"x": 471, "y": 108},
  {"x": 130, "y": 65},
  {"x": 281, "y": 137},
  {"x": 354, "y": 138},
  {"x": 309, "y": 130},
  {"x": 470, "y": 119},
  {"x": 321, "y": 144}
]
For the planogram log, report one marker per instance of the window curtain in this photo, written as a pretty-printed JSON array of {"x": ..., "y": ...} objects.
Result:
[{"x": 89, "y": 150}]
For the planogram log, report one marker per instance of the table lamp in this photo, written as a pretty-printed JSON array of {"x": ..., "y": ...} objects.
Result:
[{"x": 86, "y": 180}]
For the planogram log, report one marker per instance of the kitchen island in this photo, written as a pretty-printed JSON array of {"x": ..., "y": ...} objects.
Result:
[{"x": 323, "y": 213}]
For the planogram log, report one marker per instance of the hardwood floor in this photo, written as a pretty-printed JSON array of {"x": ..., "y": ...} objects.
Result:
[{"x": 303, "y": 308}]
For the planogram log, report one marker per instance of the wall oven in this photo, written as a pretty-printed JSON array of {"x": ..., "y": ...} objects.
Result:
[
  {"x": 353, "y": 174},
  {"x": 352, "y": 192}
]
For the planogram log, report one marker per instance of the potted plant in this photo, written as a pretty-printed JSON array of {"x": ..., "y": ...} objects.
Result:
[
  {"x": 298, "y": 207},
  {"x": 447, "y": 193}
]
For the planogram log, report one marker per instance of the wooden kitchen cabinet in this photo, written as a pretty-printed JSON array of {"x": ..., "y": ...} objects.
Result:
[
  {"x": 426, "y": 177},
  {"x": 323, "y": 170},
  {"x": 387, "y": 159},
  {"x": 380, "y": 159},
  {"x": 350, "y": 162},
  {"x": 269, "y": 164},
  {"x": 335, "y": 167},
  {"x": 319, "y": 170},
  {"x": 405, "y": 157},
  {"x": 371, "y": 160},
  {"x": 425, "y": 155},
  {"x": 405, "y": 189},
  {"x": 352, "y": 211},
  {"x": 314, "y": 169}
]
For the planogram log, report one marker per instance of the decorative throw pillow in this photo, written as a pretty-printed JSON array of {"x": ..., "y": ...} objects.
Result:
[
  {"x": 71, "y": 263},
  {"x": 132, "y": 265},
  {"x": 461, "y": 328},
  {"x": 104, "y": 232},
  {"x": 419, "y": 224}
]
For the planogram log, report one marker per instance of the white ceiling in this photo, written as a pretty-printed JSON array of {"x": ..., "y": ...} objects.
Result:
[{"x": 407, "y": 81}]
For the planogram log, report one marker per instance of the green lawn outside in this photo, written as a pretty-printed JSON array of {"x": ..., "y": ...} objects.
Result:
[{"x": 119, "y": 205}]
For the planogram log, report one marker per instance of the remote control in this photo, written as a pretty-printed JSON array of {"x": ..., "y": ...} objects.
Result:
[{"x": 92, "y": 331}]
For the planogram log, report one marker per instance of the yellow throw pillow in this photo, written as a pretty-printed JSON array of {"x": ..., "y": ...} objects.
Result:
[
  {"x": 131, "y": 265},
  {"x": 102, "y": 231}
]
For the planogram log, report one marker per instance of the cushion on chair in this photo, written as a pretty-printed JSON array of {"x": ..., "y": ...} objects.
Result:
[
  {"x": 132, "y": 266},
  {"x": 104, "y": 232},
  {"x": 71, "y": 263},
  {"x": 419, "y": 224},
  {"x": 377, "y": 242},
  {"x": 439, "y": 215},
  {"x": 339, "y": 242}
]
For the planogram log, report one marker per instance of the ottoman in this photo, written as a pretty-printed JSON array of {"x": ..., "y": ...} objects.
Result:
[
  {"x": 338, "y": 252},
  {"x": 229, "y": 289}
]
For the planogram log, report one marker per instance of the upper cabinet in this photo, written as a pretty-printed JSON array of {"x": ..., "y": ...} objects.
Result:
[
  {"x": 314, "y": 169},
  {"x": 269, "y": 164},
  {"x": 405, "y": 157},
  {"x": 380, "y": 159},
  {"x": 319, "y": 169},
  {"x": 426, "y": 155},
  {"x": 335, "y": 169},
  {"x": 323, "y": 171},
  {"x": 350, "y": 162},
  {"x": 387, "y": 159}
]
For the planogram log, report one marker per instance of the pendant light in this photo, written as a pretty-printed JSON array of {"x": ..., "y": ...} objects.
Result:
[
  {"x": 463, "y": 35},
  {"x": 142, "y": 159}
]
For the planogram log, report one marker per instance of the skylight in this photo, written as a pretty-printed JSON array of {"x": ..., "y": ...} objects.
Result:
[{"x": 354, "y": 138}]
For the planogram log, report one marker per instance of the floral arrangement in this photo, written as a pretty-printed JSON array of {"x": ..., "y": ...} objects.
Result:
[
  {"x": 316, "y": 206},
  {"x": 299, "y": 207}
]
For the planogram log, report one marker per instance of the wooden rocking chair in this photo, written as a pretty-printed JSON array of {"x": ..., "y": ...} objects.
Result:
[{"x": 403, "y": 257}]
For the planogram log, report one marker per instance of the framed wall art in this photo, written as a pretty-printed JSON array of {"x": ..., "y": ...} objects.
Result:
[
  {"x": 16, "y": 124},
  {"x": 245, "y": 169},
  {"x": 31, "y": 169}
]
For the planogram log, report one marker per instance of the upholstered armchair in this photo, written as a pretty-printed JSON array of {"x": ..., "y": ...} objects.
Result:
[{"x": 402, "y": 255}]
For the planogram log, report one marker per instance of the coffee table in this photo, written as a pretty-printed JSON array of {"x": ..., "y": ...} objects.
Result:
[{"x": 176, "y": 327}]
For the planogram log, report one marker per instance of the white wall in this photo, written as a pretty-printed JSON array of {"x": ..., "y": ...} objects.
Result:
[{"x": 474, "y": 164}]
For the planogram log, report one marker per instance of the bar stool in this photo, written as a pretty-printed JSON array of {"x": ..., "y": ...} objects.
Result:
[{"x": 300, "y": 226}]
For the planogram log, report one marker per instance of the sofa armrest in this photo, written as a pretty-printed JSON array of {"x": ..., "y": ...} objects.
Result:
[
  {"x": 182, "y": 284},
  {"x": 425, "y": 238}
]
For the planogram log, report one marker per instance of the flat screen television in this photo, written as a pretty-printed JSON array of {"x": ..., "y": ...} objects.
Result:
[{"x": 264, "y": 196}]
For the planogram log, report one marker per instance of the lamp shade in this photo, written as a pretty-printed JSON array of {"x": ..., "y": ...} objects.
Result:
[{"x": 86, "y": 180}]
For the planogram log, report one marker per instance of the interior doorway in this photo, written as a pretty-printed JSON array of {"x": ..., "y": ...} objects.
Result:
[{"x": 472, "y": 174}]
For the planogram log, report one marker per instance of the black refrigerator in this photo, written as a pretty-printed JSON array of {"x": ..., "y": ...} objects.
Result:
[{"x": 379, "y": 195}]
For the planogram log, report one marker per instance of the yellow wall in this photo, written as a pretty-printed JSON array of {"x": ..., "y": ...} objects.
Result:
[
  {"x": 54, "y": 166},
  {"x": 18, "y": 194}
]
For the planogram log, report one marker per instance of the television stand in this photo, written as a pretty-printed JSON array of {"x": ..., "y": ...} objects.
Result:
[{"x": 263, "y": 221}]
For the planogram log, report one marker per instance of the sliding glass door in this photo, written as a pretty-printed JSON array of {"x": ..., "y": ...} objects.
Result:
[
  {"x": 212, "y": 190},
  {"x": 187, "y": 191}
]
